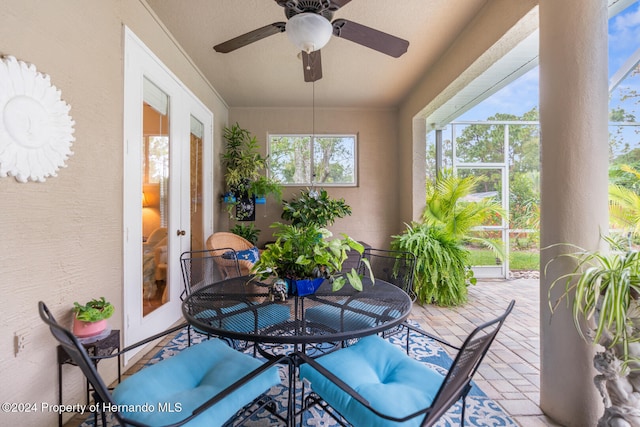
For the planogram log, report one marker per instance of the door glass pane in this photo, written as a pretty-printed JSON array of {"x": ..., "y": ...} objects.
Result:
[
  {"x": 489, "y": 233},
  {"x": 196, "y": 180},
  {"x": 155, "y": 197}
]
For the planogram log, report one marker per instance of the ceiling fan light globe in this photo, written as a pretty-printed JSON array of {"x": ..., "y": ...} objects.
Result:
[{"x": 309, "y": 31}]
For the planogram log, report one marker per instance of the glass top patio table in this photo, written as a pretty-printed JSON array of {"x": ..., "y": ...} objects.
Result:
[{"x": 243, "y": 309}]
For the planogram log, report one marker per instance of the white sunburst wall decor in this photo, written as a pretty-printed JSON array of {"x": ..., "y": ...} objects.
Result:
[{"x": 36, "y": 130}]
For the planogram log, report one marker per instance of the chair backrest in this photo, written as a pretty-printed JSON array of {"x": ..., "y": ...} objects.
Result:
[
  {"x": 353, "y": 259},
  {"x": 221, "y": 241},
  {"x": 200, "y": 268},
  {"x": 457, "y": 383},
  {"x": 77, "y": 353},
  {"x": 156, "y": 236},
  {"x": 392, "y": 266}
]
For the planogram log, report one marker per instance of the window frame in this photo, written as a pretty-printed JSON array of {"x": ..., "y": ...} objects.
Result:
[{"x": 312, "y": 139}]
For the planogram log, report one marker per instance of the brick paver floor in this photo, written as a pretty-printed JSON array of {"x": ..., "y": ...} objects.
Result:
[{"x": 510, "y": 373}]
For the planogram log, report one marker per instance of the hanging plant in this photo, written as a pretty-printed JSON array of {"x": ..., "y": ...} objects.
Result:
[
  {"x": 314, "y": 207},
  {"x": 245, "y": 174}
]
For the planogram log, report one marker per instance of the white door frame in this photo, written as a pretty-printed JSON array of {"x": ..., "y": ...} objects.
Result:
[{"x": 140, "y": 62}]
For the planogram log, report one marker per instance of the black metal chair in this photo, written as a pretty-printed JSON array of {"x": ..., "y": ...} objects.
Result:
[
  {"x": 392, "y": 386},
  {"x": 195, "y": 383},
  {"x": 392, "y": 266},
  {"x": 205, "y": 267}
]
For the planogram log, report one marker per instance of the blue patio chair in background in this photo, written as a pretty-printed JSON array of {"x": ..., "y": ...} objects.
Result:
[
  {"x": 374, "y": 382},
  {"x": 395, "y": 267},
  {"x": 207, "y": 384}
]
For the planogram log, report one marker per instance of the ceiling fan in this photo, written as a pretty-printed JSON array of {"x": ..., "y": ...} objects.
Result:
[{"x": 309, "y": 27}]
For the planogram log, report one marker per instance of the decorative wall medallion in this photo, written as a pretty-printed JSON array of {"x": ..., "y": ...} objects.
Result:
[{"x": 36, "y": 130}]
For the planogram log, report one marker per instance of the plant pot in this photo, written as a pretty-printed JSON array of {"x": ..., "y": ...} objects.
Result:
[
  {"x": 261, "y": 200},
  {"x": 88, "y": 329},
  {"x": 304, "y": 287}
]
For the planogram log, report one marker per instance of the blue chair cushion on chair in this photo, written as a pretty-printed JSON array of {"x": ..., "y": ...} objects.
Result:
[
  {"x": 187, "y": 380},
  {"x": 343, "y": 319},
  {"x": 252, "y": 255},
  {"x": 245, "y": 321},
  {"x": 392, "y": 382}
]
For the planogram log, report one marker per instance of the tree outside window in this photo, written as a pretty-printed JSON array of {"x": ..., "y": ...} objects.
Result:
[{"x": 321, "y": 159}]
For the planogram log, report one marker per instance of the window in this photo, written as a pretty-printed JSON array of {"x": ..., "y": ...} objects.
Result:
[{"x": 304, "y": 160}]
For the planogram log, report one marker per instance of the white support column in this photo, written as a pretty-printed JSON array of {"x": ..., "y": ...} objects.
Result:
[
  {"x": 419, "y": 156},
  {"x": 573, "y": 117}
]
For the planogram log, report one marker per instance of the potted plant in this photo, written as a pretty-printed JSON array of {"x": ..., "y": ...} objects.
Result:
[
  {"x": 307, "y": 253},
  {"x": 248, "y": 232},
  {"x": 314, "y": 207},
  {"x": 245, "y": 171},
  {"x": 603, "y": 291},
  {"x": 91, "y": 319},
  {"x": 442, "y": 271}
]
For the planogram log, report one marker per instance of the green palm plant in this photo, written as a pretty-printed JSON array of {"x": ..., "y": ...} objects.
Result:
[
  {"x": 624, "y": 203},
  {"x": 447, "y": 209},
  {"x": 442, "y": 272}
]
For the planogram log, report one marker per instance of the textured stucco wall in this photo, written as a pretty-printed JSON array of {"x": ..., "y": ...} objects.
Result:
[
  {"x": 62, "y": 240},
  {"x": 374, "y": 202}
]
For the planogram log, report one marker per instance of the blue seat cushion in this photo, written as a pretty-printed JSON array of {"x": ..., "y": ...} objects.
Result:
[
  {"x": 344, "y": 319},
  {"x": 392, "y": 382},
  {"x": 245, "y": 321},
  {"x": 188, "y": 379},
  {"x": 252, "y": 255}
]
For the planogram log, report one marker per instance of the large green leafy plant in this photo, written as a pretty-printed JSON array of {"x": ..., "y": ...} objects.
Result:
[
  {"x": 441, "y": 273},
  {"x": 314, "y": 207},
  {"x": 304, "y": 252}
]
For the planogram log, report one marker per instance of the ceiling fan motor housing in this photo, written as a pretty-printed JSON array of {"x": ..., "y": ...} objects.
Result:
[{"x": 319, "y": 7}]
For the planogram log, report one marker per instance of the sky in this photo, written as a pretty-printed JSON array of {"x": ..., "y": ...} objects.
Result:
[{"x": 522, "y": 95}]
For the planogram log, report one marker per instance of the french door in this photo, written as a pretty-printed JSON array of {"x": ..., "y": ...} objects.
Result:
[{"x": 167, "y": 185}]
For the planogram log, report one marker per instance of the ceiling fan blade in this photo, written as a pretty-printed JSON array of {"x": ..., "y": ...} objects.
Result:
[
  {"x": 311, "y": 66},
  {"x": 250, "y": 37},
  {"x": 369, "y": 37}
]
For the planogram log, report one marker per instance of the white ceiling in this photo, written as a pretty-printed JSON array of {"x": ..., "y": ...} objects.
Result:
[{"x": 268, "y": 72}]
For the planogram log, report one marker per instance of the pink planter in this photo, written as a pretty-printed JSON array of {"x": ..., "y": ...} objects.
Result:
[{"x": 88, "y": 329}]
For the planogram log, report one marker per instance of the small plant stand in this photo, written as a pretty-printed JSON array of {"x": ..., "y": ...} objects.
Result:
[{"x": 101, "y": 347}]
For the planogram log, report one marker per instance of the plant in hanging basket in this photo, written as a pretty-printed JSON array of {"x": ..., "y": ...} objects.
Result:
[{"x": 314, "y": 207}]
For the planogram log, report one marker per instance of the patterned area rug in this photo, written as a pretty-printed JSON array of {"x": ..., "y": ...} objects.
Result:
[{"x": 480, "y": 411}]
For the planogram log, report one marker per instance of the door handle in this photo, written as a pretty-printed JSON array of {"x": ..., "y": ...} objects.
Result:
[{"x": 181, "y": 232}]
